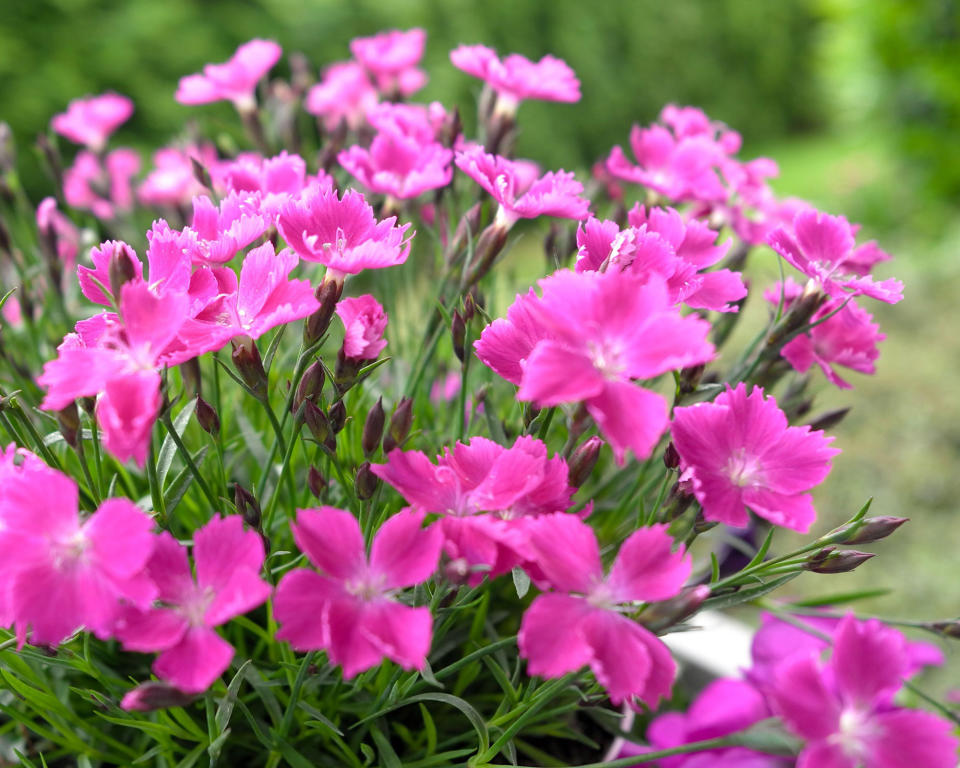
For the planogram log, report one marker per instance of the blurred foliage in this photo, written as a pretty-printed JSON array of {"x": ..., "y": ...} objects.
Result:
[{"x": 747, "y": 63}]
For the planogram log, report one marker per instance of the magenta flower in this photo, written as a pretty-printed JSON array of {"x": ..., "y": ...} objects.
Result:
[
  {"x": 364, "y": 322},
  {"x": 480, "y": 477},
  {"x": 101, "y": 188},
  {"x": 516, "y": 78},
  {"x": 90, "y": 121},
  {"x": 392, "y": 58},
  {"x": 842, "y": 708},
  {"x": 686, "y": 122},
  {"x": 276, "y": 179},
  {"x": 52, "y": 223},
  {"x": 585, "y": 339},
  {"x": 582, "y": 623},
  {"x": 739, "y": 452},
  {"x": 553, "y": 194},
  {"x": 342, "y": 233},
  {"x": 350, "y": 608},
  {"x": 172, "y": 182},
  {"x": 343, "y": 95},
  {"x": 822, "y": 247},
  {"x": 61, "y": 572},
  {"x": 234, "y": 80},
  {"x": 126, "y": 412},
  {"x": 223, "y": 230},
  {"x": 425, "y": 123},
  {"x": 228, "y": 560},
  {"x": 101, "y": 256},
  {"x": 399, "y": 165}
]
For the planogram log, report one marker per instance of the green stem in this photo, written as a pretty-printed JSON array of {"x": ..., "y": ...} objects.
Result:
[
  {"x": 188, "y": 460},
  {"x": 156, "y": 492}
]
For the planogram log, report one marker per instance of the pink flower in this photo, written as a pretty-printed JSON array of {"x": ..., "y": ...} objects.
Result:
[
  {"x": 52, "y": 223},
  {"x": 60, "y": 572},
  {"x": 101, "y": 256},
  {"x": 581, "y": 622},
  {"x": 399, "y": 165},
  {"x": 424, "y": 123},
  {"x": 172, "y": 182},
  {"x": 739, "y": 452},
  {"x": 234, "y": 80},
  {"x": 516, "y": 78},
  {"x": 126, "y": 412},
  {"x": 223, "y": 230},
  {"x": 350, "y": 608},
  {"x": 275, "y": 179},
  {"x": 364, "y": 322},
  {"x": 686, "y": 122},
  {"x": 344, "y": 94},
  {"x": 585, "y": 339},
  {"x": 90, "y": 121},
  {"x": 822, "y": 247},
  {"x": 392, "y": 58},
  {"x": 842, "y": 708},
  {"x": 228, "y": 560},
  {"x": 553, "y": 194},
  {"x": 264, "y": 298},
  {"x": 90, "y": 186},
  {"x": 482, "y": 477},
  {"x": 341, "y": 233}
]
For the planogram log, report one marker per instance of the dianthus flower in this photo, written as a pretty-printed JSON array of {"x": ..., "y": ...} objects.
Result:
[
  {"x": 223, "y": 230},
  {"x": 53, "y": 224},
  {"x": 585, "y": 339},
  {"x": 344, "y": 94},
  {"x": 582, "y": 622},
  {"x": 350, "y": 608},
  {"x": 172, "y": 181},
  {"x": 90, "y": 121},
  {"x": 276, "y": 179},
  {"x": 482, "y": 490},
  {"x": 228, "y": 560},
  {"x": 341, "y": 233},
  {"x": 235, "y": 80},
  {"x": 843, "y": 709},
  {"x": 399, "y": 165},
  {"x": 392, "y": 58},
  {"x": 553, "y": 194},
  {"x": 364, "y": 322},
  {"x": 101, "y": 188},
  {"x": 823, "y": 248},
  {"x": 848, "y": 338},
  {"x": 424, "y": 123},
  {"x": 739, "y": 452},
  {"x": 516, "y": 78},
  {"x": 59, "y": 572},
  {"x": 687, "y": 122}
]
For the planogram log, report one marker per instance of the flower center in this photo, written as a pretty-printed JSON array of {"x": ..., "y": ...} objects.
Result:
[
  {"x": 854, "y": 733},
  {"x": 71, "y": 550},
  {"x": 743, "y": 469},
  {"x": 607, "y": 358},
  {"x": 367, "y": 587},
  {"x": 194, "y": 607}
]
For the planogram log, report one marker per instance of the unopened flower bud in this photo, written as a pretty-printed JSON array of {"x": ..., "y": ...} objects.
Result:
[
  {"x": 659, "y": 616},
  {"x": 121, "y": 269},
  {"x": 366, "y": 482},
  {"x": 147, "y": 697},
  {"x": 671, "y": 459},
  {"x": 489, "y": 246},
  {"x": 530, "y": 415},
  {"x": 337, "y": 415},
  {"x": 829, "y": 419},
  {"x": 467, "y": 229},
  {"x": 200, "y": 173},
  {"x": 458, "y": 330},
  {"x": 246, "y": 358},
  {"x": 328, "y": 294},
  {"x": 190, "y": 373},
  {"x": 6, "y": 244},
  {"x": 247, "y": 506},
  {"x": 316, "y": 482},
  {"x": 311, "y": 384},
  {"x": 470, "y": 305},
  {"x": 690, "y": 378},
  {"x": 345, "y": 373},
  {"x": 316, "y": 421},
  {"x": 400, "y": 423},
  {"x": 52, "y": 156},
  {"x": 831, "y": 560},
  {"x": 946, "y": 628},
  {"x": 69, "y": 421},
  {"x": 868, "y": 530},
  {"x": 207, "y": 417},
  {"x": 583, "y": 460},
  {"x": 373, "y": 428}
]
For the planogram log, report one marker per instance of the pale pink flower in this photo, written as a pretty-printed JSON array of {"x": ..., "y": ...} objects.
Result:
[
  {"x": 223, "y": 230},
  {"x": 517, "y": 78},
  {"x": 63, "y": 231},
  {"x": 739, "y": 452},
  {"x": 235, "y": 80},
  {"x": 399, "y": 165},
  {"x": 275, "y": 179},
  {"x": 822, "y": 247},
  {"x": 341, "y": 233},
  {"x": 483, "y": 490},
  {"x": 350, "y": 608},
  {"x": 553, "y": 194},
  {"x": 586, "y": 338},
  {"x": 101, "y": 188},
  {"x": 173, "y": 182},
  {"x": 344, "y": 94},
  {"x": 581, "y": 622},
  {"x": 842, "y": 708},
  {"x": 228, "y": 560},
  {"x": 364, "y": 323},
  {"x": 264, "y": 298},
  {"x": 90, "y": 121},
  {"x": 61, "y": 573},
  {"x": 392, "y": 58}
]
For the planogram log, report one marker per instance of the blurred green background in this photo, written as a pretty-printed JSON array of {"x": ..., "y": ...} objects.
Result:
[{"x": 858, "y": 100}]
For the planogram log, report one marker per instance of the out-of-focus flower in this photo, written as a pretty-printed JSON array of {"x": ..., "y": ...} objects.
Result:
[
  {"x": 92, "y": 120},
  {"x": 364, "y": 323},
  {"x": 172, "y": 181},
  {"x": 399, "y": 165},
  {"x": 101, "y": 188},
  {"x": 235, "y": 80},
  {"x": 392, "y": 58},
  {"x": 276, "y": 179},
  {"x": 344, "y": 94},
  {"x": 66, "y": 235}
]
